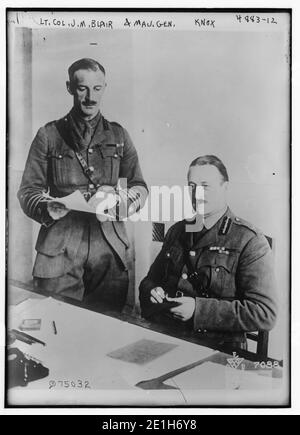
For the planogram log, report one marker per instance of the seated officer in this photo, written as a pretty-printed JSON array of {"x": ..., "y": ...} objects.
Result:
[{"x": 216, "y": 276}]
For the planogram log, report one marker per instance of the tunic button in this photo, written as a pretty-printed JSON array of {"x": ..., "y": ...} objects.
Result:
[
  {"x": 91, "y": 186},
  {"x": 91, "y": 150},
  {"x": 217, "y": 269},
  {"x": 60, "y": 156},
  {"x": 184, "y": 276},
  {"x": 192, "y": 253},
  {"x": 91, "y": 168},
  {"x": 115, "y": 156},
  {"x": 168, "y": 254}
]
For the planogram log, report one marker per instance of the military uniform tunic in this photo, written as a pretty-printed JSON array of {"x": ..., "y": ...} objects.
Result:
[
  {"x": 229, "y": 272},
  {"x": 77, "y": 256}
]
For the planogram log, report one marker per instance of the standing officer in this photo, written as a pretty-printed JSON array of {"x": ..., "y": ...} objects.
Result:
[
  {"x": 218, "y": 279},
  {"x": 77, "y": 256}
]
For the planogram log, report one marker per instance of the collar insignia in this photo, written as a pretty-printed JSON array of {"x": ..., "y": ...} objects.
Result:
[{"x": 225, "y": 226}]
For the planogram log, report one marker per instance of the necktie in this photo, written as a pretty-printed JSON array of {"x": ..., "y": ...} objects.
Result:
[{"x": 87, "y": 137}]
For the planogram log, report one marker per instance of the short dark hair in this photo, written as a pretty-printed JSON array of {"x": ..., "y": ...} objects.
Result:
[
  {"x": 85, "y": 63},
  {"x": 214, "y": 161}
]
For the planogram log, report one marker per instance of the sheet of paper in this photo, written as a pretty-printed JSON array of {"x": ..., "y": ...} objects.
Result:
[
  {"x": 142, "y": 351},
  {"x": 203, "y": 377},
  {"x": 212, "y": 376},
  {"x": 75, "y": 201}
]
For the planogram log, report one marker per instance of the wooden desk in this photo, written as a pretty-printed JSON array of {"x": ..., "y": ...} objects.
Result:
[{"x": 95, "y": 359}]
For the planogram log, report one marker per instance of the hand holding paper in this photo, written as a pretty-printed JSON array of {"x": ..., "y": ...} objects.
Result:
[
  {"x": 59, "y": 207},
  {"x": 57, "y": 210}
]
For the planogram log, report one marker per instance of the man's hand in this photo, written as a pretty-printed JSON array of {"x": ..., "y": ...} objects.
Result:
[
  {"x": 157, "y": 295},
  {"x": 57, "y": 210},
  {"x": 185, "y": 309}
]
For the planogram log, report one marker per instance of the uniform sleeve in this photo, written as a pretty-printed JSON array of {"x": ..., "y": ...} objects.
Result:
[
  {"x": 34, "y": 181},
  {"x": 137, "y": 190},
  {"x": 154, "y": 278},
  {"x": 255, "y": 307}
]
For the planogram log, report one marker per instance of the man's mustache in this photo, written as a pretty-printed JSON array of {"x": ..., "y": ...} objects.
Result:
[{"x": 89, "y": 103}]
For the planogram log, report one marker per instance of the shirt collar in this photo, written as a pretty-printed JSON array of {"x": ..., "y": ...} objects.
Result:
[{"x": 82, "y": 123}]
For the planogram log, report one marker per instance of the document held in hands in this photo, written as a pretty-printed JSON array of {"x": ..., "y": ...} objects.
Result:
[{"x": 76, "y": 201}]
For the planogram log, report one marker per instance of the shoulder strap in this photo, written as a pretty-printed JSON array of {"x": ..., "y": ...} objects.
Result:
[
  {"x": 118, "y": 131},
  {"x": 86, "y": 169}
]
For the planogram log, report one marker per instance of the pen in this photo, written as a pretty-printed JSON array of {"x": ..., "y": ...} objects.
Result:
[
  {"x": 26, "y": 337},
  {"x": 54, "y": 327},
  {"x": 12, "y": 337}
]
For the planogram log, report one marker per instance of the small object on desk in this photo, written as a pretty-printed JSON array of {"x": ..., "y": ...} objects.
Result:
[
  {"x": 23, "y": 368},
  {"x": 30, "y": 325},
  {"x": 54, "y": 327},
  {"x": 26, "y": 337}
]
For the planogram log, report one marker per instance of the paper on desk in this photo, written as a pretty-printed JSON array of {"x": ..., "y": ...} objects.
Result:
[
  {"x": 142, "y": 351},
  {"x": 29, "y": 308},
  {"x": 76, "y": 201},
  {"x": 212, "y": 376}
]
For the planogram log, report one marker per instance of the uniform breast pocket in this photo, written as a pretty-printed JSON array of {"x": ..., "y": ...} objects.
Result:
[
  {"x": 63, "y": 168},
  {"x": 218, "y": 268},
  {"x": 111, "y": 155},
  {"x": 223, "y": 276}
]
